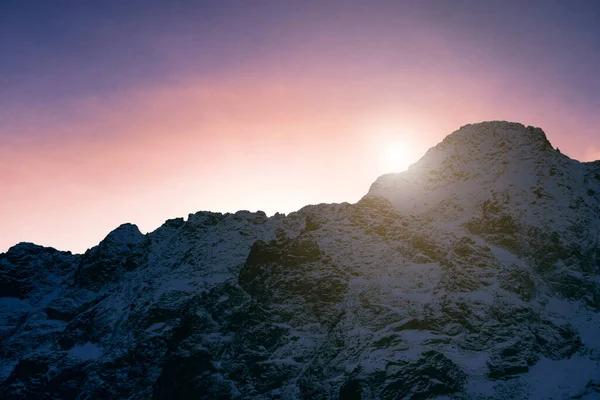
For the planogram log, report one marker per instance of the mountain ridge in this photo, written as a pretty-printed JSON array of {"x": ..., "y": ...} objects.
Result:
[
  {"x": 459, "y": 278},
  {"x": 494, "y": 125}
]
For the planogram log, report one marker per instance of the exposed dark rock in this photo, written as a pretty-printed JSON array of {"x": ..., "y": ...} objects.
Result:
[{"x": 469, "y": 276}]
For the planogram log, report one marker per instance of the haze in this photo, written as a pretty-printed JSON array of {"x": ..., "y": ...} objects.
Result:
[{"x": 140, "y": 111}]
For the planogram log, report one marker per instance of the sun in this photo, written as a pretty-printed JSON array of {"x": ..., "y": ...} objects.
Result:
[
  {"x": 396, "y": 156},
  {"x": 394, "y": 145}
]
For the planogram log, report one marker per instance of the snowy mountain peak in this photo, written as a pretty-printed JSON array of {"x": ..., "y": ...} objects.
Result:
[
  {"x": 489, "y": 142},
  {"x": 498, "y": 133},
  {"x": 488, "y": 161},
  {"x": 473, "y": 275},
  {"x": 484, "y": 144},
  {"x": 124, "y": 234}
]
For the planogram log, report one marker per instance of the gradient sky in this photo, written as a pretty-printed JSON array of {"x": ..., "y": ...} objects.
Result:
[{"x": 140, "y": 111}]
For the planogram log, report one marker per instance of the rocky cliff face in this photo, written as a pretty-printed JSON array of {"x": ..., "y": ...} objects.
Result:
[{"x": 473, "y": 275}]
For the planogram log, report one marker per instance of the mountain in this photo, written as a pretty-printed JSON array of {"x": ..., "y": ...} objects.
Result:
[{"x": 473, "y": 275}]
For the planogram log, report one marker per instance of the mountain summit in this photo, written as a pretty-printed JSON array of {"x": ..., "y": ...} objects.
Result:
[
  {"x": 472, "y": 275},
  {"x": 500, "y": 157}
]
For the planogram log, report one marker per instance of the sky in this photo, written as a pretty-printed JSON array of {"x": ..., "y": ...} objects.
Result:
[{"x": 141, "y": 111}]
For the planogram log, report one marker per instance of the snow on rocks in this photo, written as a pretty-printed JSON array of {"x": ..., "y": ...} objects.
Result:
[{"x": 472, "y": 275}]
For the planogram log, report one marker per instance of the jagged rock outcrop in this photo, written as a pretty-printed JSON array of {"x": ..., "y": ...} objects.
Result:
[{"x": 473, "y": 275}]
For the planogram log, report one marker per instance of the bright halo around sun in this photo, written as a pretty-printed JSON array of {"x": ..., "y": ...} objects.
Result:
[
  {"x": 395, "y": 145},
  {"x": 396, "y": 156}
]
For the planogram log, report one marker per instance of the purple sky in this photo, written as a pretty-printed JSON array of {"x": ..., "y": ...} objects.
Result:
[{"x": 114, "y": 111}]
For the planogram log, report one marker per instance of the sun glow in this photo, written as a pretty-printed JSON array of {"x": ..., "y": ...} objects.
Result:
[
  {"x": 394, "y": 142},
  {"x": 396, "y": 157}
]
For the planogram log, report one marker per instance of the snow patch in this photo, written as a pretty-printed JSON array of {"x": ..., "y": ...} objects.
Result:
[
  {"x": 561, "y": 379},
  {"x": 156, "y": 326},
  {"x": 85, "y": 352}
]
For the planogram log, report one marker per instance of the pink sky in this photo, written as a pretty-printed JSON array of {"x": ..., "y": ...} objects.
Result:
[
  {"x": 257, "y": 144},
  {"x": 305, "y": 125}
]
